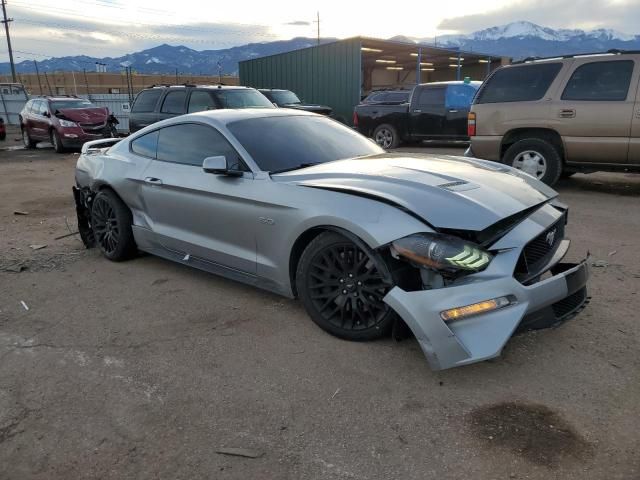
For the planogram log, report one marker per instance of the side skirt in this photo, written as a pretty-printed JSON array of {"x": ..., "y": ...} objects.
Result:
[{"x": 148, "y": 242}]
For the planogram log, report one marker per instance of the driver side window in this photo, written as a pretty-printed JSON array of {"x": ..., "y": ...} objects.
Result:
[{"x": 191, "y": 143}]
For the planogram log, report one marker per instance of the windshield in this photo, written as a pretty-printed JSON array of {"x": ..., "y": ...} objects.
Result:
[
  {"x": 284, "y": 143},
  {"x": 285, "y": 97},
  {"x": 62, "y": 104},
  {"x": 243, "y": 99}
]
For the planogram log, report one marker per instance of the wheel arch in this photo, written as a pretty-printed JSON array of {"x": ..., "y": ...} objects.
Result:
[
  {"x": 306, "y": 237},
  {"x": 547, "y": 134}
]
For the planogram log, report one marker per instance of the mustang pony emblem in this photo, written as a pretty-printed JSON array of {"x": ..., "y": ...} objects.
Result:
[{"x": 551, "y": 236}]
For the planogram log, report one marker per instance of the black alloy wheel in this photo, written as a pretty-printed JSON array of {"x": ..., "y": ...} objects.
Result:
[
  {"x": 111, "y": 223},
  {"x": 342, "y": 287}
]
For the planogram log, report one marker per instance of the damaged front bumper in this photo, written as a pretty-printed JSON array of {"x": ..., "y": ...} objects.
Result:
[{"x": 449, "y": 344}]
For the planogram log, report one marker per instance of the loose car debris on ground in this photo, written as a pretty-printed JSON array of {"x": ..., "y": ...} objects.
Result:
[{"x": 240, "y": 452}]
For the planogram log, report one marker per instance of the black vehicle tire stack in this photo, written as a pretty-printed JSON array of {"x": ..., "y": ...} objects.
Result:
[
  {"x": 545, "y": 149},
  {"x": 341, "y": 286},
  {"x": 109, "y": 215}
]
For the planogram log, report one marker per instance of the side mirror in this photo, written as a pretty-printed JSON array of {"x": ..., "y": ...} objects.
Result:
[
  {"x": 218, "y": 166},
  {"x": 275, "y": 104},
  {"x": 46, "y": 114}
]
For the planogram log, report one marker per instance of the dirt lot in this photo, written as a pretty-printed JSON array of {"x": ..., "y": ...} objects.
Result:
[{"x": 147, "y": 369}]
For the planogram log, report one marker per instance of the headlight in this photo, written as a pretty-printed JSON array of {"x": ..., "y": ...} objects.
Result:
[
  {"x": 442, "y": 252},
  {"x": 67, "y": 123}
]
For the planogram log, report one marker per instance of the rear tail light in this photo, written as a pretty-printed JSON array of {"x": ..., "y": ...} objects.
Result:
[
  {"x": 355, "y": 119},
  {"x": 471, "y": 124}
]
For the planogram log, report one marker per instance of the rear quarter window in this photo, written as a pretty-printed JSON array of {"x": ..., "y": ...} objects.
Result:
[
  {"x": 146, "y": 101},
  {"x": 146, "y": 145},
  {"x": 519, "y": 83},
  {"x": 600, "y": 81}
]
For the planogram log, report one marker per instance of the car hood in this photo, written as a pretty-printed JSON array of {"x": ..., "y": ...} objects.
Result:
[
  {"x": 446, "y": 191},
  {"x": 85, "y": 115},
  {"x": 309, "y": 108}
]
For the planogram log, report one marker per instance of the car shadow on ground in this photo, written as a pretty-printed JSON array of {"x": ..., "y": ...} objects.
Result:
[{"x": 627, "y": 185}]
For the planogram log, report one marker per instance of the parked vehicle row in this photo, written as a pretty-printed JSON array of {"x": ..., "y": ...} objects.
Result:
[
  {"x": 434, "y": 111},
  {"x": 554, "y": 117}
]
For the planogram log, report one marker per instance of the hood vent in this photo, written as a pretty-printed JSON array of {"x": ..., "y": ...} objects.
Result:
[{"x": 458, "y": 186}]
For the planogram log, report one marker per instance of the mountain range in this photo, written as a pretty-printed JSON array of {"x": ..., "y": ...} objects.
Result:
[
  {"x": 526, "y": 39},
  {"x": 517, "y": 40}
]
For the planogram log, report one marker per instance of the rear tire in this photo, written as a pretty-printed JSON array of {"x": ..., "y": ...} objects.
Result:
[
  {"x": 536, "y": 157},
  {"x": 341, "y": 286},
  {"x": 111, "y": 222},
  {"x": 56, "y": 141},
  {"x": 26, "y": 139},
  {"x": 386, "y": 136}
]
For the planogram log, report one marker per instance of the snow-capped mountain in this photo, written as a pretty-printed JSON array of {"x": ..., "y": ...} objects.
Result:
[
  {"x": 524, "y": 29},
  {"x": 527, "y": 39}
]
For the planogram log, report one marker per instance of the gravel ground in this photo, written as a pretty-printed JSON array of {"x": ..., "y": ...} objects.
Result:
[{"x": 147, "y": 369}]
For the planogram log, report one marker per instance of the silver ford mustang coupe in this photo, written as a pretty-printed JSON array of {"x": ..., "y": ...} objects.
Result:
[{"x": 464, "y": 252}]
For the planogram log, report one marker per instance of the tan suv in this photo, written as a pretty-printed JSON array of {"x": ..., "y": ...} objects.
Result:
[{"x": 554, "y": 117}]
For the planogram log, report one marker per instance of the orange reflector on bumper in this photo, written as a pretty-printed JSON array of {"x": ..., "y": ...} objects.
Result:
[{"x": 485, "y": 306}]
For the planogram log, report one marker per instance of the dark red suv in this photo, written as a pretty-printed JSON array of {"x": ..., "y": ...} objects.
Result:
[{"x": 66, "y": 122}]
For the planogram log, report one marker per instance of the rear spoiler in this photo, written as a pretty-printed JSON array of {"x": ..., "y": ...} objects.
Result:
[{"x": 97, "y": 145}]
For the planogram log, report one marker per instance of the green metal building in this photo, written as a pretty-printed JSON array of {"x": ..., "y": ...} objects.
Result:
[{"x": 338, "y": 74}]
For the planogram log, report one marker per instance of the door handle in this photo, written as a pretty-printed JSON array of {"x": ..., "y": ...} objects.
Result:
[
  {"x": 453, "y": 111},
  {"x": 153, "y": 181},
  {"x": 417, "y": 111},
  {"x": 567, "y": 113}
]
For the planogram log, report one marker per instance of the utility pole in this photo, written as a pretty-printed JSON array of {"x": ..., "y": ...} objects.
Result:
[
  {"x": 176, "y": 76},
  {"x": 86, "y": 83},
  {"x": 317, "y": 21},
  {"x": 38, "y": 75},
  {"x": 6, "y": 29},
  {"x": 48, "y": 84}
]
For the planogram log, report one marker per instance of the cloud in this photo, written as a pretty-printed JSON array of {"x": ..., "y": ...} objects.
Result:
[
  {"x": 622, "y": 15},
  {"x": 298, "y": 23},
  {"x": 39, "y": 35}
]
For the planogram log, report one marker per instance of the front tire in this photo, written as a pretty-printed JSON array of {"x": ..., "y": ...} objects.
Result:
[
  {"x": 111, "y": 222},
  {"x": 56, "y": 141},
  {"x": 341, "y": 286},
  {"x": 536, "y": 157},
  {"x": 386, "y": 136}
]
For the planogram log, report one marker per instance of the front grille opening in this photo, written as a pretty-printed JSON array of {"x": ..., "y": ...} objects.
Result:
[
  {"x": 570, "y": 304},
  {"x": 539, "y": 251}
]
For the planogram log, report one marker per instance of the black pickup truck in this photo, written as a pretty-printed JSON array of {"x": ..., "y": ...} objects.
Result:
[{"x": 435, "y": 111}]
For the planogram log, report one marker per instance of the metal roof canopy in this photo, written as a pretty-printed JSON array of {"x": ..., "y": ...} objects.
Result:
[{"x": 378, "y": 53}]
